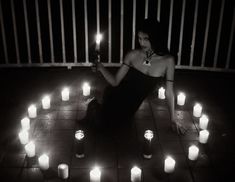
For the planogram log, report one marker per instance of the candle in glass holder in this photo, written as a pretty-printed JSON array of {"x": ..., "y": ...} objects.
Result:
[
  {"x": 197, "y": 110},
  {"x": 135, "y": 174},
  {"x": 30, "y": 149},
  {"x": 169, "y": 166},
  {"x": 24, "y": 137},
  {"x": 193, "y": 152},
  {"x": 86, "y": 89},
  {"x": 79, "y": 139},
  {"x": 25, "y": 123},
  {"x": 43, "y": 161},
  {"x": 46, "y": 102},
  {"x": 203, "y": 136},
  {"x": 95, "y": 175},
  {"x": 161, "y": 93},
  {"x": 181, "y": 99},
  {"x": 203, "y": 122},
  {"x": 147, "y": 149},
  {"x": 65, "y": 94},
  {"x": 63, "y": 171},
  {"x": 32, "y": 111}
]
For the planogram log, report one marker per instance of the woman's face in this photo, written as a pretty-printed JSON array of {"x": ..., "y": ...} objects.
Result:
[{"x": 144, "y": 42}]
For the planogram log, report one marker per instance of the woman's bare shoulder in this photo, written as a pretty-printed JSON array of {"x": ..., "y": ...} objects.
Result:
[{"x": 132, "y": 55}]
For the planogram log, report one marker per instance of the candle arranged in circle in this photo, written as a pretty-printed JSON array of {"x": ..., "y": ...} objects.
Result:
[
  {"x": 25, "y": 123},
  {"x": 169, "y": 165},
  {"x": 161, "y": 93},
  {"x": 147, "y": 148},
  {"x": 86, "y": 89},
  {"x": 181, "y": 99},
  {"x": 193, "y": 152},
  {"x": 95, "y": 175},
  {"x": 65, "y": 94},
  {"x": 43, "y": 161},
  {"x": 135, "y": 174},
  {"x": 197, "y": 110},
  {"x": 63, "y": 171},
  {"x": 32, "y": 111},
  {"x": 46, "y": 102},
  {"x": 24, "y": 137},
  {"x": 203, "y": 136},
  {"x": 203, "y": 122},
  {"x": 30, "y": 149},
  {"x": 79, "y": 139}
]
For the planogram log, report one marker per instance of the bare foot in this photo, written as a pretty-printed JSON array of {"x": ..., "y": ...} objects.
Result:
[{"x": 179, "y": 128}]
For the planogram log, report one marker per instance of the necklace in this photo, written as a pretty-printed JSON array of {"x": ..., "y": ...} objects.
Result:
[{"x": 147, "y": 60}]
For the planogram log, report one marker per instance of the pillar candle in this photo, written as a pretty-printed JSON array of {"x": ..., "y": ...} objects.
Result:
[
  {"x": 79, "y": 136},
  {"x": 169, "y": 166},
  {"x": 161, "y": 93},
  {"x": 181, "y": 99},
  {"x": 203, "y": 136},
  {"x": 197, "y": 110},
  {"x": 46, "y": 102},
  {"x": 135, "y": 174},
  {"x": 203, "y": 122},
  {"x": 95, "y": 175},
  {"x": 147, "y": 150},
  {"x": 86, "y": 89},
  {"x": 30, "y": 149},
  {"x": 63, "y": 171},
  {"x": 98, "y": 39},
  {"x": 65, "y": 94},
  {"x": 24, "y": 137},
  {"x": 43, "y": 161},
  {"x": 32, "y": 111},
  {"x": 25, "y": 123},
  {"x": 193, "y": 152}
]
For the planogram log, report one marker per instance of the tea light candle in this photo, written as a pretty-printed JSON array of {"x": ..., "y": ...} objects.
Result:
[
  {"x": 161, "y": 93},
  {"x": 197, "y": 110},
  {"x": 203, "y": 136},
  {"x": 181, "y": 99},
  {"x": 95, "y": 175},
  {"x": 65, "y": 94},
  {"x": 30, "y": 149},
  {"x": 24, "y": 137},
  {"x": 43, "y": 161},
  {"x": 86, "y": 89},
  {"x": 98, "y": 39},
  {"x": 46, "y": 102},
  {"x": 169, "y": 166},
  {"x": 135, "y": 174},
  {"x": 63, "y": 171},
  {"x": 79, "y": 136},
  {"x": 25, "y": 123},
  {"x": 203, "y": 122},
  {"x": 32, "y": 111},
  {"x": 193, "y": 152},
  {"x": 148, "y": 136}
]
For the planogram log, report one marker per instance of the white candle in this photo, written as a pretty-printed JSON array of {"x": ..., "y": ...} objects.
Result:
[
  {"x": 169, "y": 166},
  {"x": 46, "y": 102},
  {"x": 30, "y": 149},
  {"x": 95, "y": 175},
  {"x": 43, "y": 161},
  {"x": 65, "y": 94},
  {"x": 135, "y": 174},
  {"x": 193, "y": 152},
  {"x": 161, "y": 93},
  {"x": 203, "y": 136},
  {"x": 203, "y": 122},
  {"x": 32, "y": 111},
  {"x": 181, "y": 99},
  {"x": 63, "y": 171},
  {"x": 86, "y": 89},
  {"x": 25, "y": 123},
  {"x": 24, "y": 137},
  {"x": 197, "y": 110},
  {"x": 98, "y": 39},
  {"x": 147, "y": 149}
]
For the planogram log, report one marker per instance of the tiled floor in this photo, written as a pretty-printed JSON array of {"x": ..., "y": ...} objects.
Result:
[{"x": 53, "y": 130}]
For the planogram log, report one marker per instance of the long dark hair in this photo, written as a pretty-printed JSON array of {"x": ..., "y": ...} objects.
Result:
[{"x": 156, "y": 33}]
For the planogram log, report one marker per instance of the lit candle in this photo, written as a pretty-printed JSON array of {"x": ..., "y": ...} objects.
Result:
[
  {"x": 30, "y": 149},
  {"x": 147, "y": 151},
  {"x": 63, "y": 171},
  {"x": 43, "y": 161},
  {"x": 95, "y": 175},
  {"x": 25, "y": 123},
  {"x": 193, "y": 152},
  {"x": 65, "y": 94},
  {"x": 203, "y": 136},
  {"x": 86, "y": 89},
  {"x": 203, "y": 122},
  {"x": 79, "y": 136},
  {"x": 98, "y": 39},
  {"x": 24, "y": 137},
  {"x": 181, "y": 99},
  {"x": 32, "y": 111},
  {"x": 197, "y": 110},
  {"x": 46, "y": 102},
  {"x": 135, "y": 174},
  {"x": 161, "y": 93},
  {"x": 169, "y": 166}
]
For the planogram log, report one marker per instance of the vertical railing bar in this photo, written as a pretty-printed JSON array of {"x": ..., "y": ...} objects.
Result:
[
  {"x": 121, "y": 30},
  {"x": 15, "y": 32},
  {"x": 206, "y": 33},
  {"x": 39, "y": 32},
  {"x": 27, "y": 31},
  {"x": 230, "y": 40},
  {"x": 98, "y": 19},
  {"x": 86, "y": 31},
  {"x": 181, "y": 33},
  {"x": 133, "y": 24},
  {"x": 74, "y": 33},
  {"x": 3, "y": 35},
  {"x": 62, "y": 30},
  {"x": 110, "y": 30},
  {"x": 194, "y": 32},
  {"x": 50, "y": 31},
  {"x": 158, "y": 10},
  {"x": 170, "y": 24},
  {"x": 146, "y": 9},
  {"x": 218, "y": 35}
]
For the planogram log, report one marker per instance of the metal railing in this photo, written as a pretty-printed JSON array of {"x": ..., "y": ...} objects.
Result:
[{"x": 61, "y": 33}]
